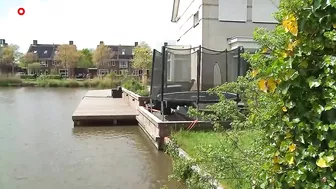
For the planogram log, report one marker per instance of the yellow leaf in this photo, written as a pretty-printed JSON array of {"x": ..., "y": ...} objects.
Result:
[
  {"x": 277, "y": 81},
  {"x": 254, "y": 73},
  {"x": 276, "y": 159},
  {"x": 322, "y": 163},
  {"x": 264, "y": 50},
  {"x": 271, "y": 85},
  {"x": 288, "y": 135},
  {"x": 284, "y": 109},
  {"x": 334, "y": 25},
  {"x": 262, "y": 85},
  {"x": 291, "y": 46},
  {"x": 284, "y": 54},
  {"x": 291, "y": 161},
  {"x": 292, "y": 147},
  {"x": 290, "y": 24}
]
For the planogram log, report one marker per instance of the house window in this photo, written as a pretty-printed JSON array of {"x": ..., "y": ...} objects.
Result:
[
  {"x": 43, "y": 63},
  {"x": 115, "y": 71},
  {"x": 45, "y": 52},
  {"x": 111, "y": 63},
  {"x": 123, "y": 64},
  {"x": 123, "y": 51},
  {"x": 135, "y": 72},
  {"x": 63, "y": 72},
  {"x": 196, "y": 18},
  {"x": 54, "y": 63},
  {"x": 102, "y": 72}
]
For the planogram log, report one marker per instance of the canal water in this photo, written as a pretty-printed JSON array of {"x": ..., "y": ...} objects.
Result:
[{"x": 40, "y": 148}]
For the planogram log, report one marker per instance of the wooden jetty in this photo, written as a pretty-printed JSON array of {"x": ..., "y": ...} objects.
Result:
[{"x": 99, "y": 108}]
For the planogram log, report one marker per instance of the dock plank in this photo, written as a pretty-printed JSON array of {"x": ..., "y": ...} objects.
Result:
[
  {"x": 95, "y": 106},
  {"x": 99, "y": 93}
]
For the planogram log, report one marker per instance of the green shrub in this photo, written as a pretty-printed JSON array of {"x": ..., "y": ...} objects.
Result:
[
  {"x": 10, "y": 80},
  {"x": 50, "y": 77},
  {"x": 300, "y": 69},
  {"x": 27, "y": 77},
  {"x": 53, "y": 83},
  {"x": 134, "y": 85},
  {"x": 72, "y": 83}
]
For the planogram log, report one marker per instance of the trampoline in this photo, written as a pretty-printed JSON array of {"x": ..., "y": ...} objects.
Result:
[{"x": 176, "y": 77}]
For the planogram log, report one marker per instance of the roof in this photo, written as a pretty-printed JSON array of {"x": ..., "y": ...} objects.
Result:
[{"x": 43, "y": 51}]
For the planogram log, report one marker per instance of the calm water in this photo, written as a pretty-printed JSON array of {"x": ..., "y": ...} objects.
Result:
[{"x": 39, "y": 148}]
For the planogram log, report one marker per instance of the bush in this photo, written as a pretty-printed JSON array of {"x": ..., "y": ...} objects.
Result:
[
  {"x": 10, "y": 80},
  {"x": 28, "y": 76},
  {"x": 135, "y": 86},
  {"x": 300, "y": 69},
  {"x": 50, "y": 77}
]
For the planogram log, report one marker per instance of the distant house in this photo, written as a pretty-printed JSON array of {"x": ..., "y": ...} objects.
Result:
[
  {"x": 6, "y": 68},
  {"x": 121, "y": 62},
  {"x": 220, "y": 25},
  {"x": 46, "y": 54}
]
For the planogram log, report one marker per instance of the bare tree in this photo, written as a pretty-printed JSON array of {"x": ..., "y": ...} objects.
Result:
[
  {"x": 68, "y": 56},
  {"x": 102, "y": 55}
]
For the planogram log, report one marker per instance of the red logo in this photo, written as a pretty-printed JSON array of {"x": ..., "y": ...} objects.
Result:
[{"x": 21, "y": 11}]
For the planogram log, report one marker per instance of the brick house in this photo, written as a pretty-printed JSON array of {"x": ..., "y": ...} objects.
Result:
[
  {"x": 121, "y": 62},
  {"x": 45, "y": 54}
]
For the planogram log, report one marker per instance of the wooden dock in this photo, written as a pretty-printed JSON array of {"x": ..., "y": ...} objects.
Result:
[{"x": 99, "y": 108}]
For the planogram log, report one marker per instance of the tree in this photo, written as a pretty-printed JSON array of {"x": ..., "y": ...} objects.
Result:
[
  {"x": 28, "y": 58},
  {"x": 102, "y": 55},
  {"x": 68, "y": 56},
  {"x": 85, "y": 60},
  {"x": 34, "y": 67},
  {"x": 9, "y": 55},
  {"x": 142, "y": 59}
]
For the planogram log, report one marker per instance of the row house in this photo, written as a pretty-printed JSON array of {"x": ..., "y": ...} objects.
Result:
[
  {"x": 45, "y": 54},
  {"x": 120, "y": 62}
]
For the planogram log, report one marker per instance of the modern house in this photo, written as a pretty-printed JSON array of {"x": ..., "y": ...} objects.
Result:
[
  {"x": 220, "y": 25},
  {"x": 120, "y": 62}
]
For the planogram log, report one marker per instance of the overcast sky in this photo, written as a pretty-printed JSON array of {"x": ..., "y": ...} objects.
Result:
[{"x": 86, "y": 22}]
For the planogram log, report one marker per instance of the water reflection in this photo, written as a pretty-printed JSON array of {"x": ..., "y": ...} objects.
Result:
[{"x": 39, "y": 148}]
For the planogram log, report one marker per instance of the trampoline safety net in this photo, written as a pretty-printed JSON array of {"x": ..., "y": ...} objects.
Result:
[{"x": 180, "y": 69}]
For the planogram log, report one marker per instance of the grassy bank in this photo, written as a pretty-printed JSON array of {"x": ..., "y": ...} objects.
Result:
[
  {"x": 223, "y": 155},
  {"x": 92, "y": 83},
  {"x": 106, "y": 83}
]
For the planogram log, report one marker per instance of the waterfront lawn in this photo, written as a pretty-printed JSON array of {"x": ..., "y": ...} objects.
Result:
[{"x": 223, "y": 155}]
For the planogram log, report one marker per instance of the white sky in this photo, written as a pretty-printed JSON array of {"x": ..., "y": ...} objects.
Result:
[{"x": 87, "y": 22}]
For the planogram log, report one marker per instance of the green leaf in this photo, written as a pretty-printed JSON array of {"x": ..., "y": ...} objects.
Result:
[
  {"x": 313, "y": 82},
  {"x": 318, "y": 108},
  {"x": 331, "y": 144}
]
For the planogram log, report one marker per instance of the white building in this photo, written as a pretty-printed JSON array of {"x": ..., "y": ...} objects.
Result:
[
  {"x": 214, "y": 23},
  {"x": 220, "y": 25}
]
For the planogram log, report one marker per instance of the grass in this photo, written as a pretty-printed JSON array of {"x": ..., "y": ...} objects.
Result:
[
  {"x": 212, "y": 150},
  {"x": 9, "y": 81}
]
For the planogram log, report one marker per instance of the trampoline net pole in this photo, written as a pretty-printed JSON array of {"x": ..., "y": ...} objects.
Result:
[
  {"x": 163, "y": 75},
  {"x": 198, "y": 74}
]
